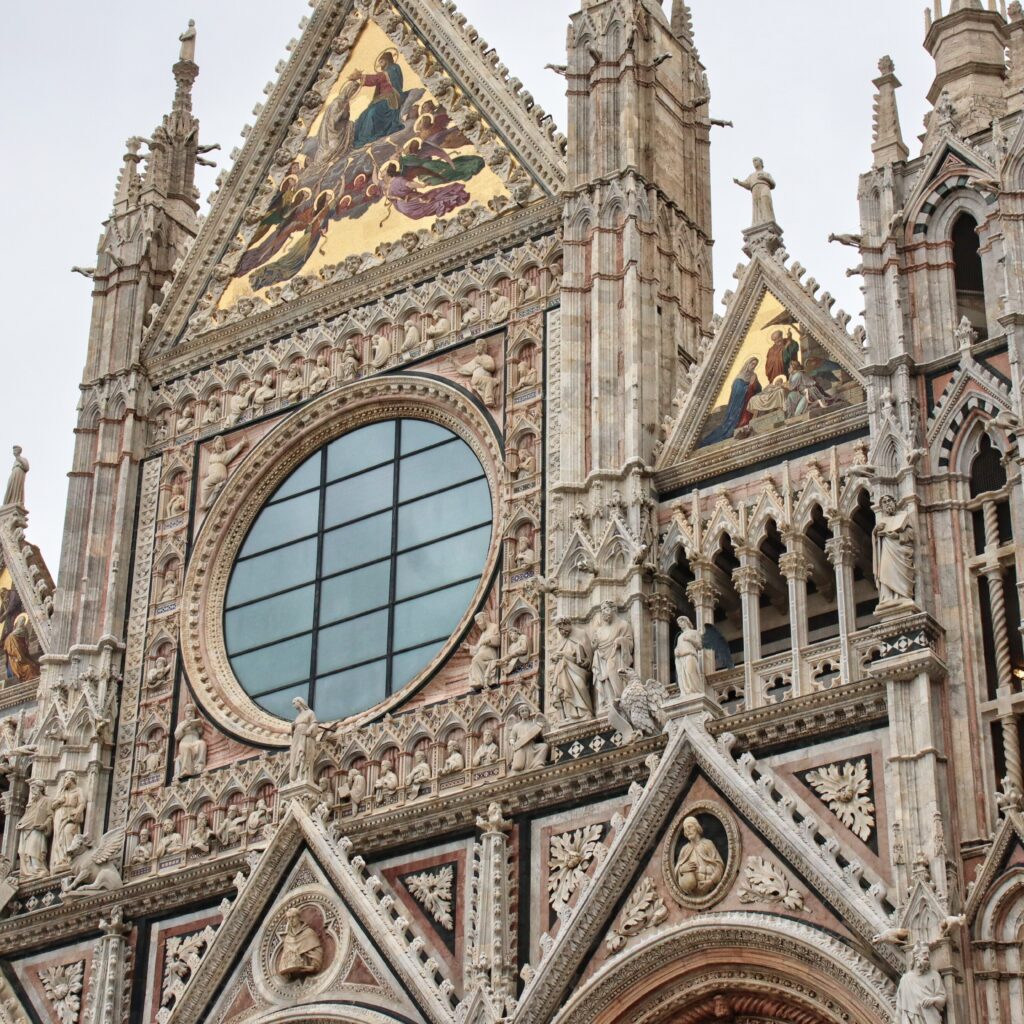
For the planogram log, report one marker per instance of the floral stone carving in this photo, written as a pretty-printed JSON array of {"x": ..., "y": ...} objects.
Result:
[
  {"x": 846, "y": 791},
  {"x": 63, "y": 987},
  {"x": 433, "y": 891},
  {"x": 643, "y": 910},
  {"x": 766, "y": 882},
  {"x": 569, "y": 858}
]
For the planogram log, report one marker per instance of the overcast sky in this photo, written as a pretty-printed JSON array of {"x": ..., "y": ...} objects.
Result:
[{"x": 79, "y": 79}]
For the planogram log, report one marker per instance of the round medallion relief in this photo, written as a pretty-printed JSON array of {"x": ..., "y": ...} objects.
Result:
[
  {"x": 304, "y": 943},
  {"x": 702, "y": 855}
]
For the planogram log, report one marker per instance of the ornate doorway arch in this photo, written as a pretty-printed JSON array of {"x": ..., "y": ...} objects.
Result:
[
  {"x": 332, "y": 1013},
  {"x": 735, "y": 969}
]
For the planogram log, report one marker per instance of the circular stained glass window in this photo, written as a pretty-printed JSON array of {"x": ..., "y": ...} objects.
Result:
[{"x": 358, "y": 570}]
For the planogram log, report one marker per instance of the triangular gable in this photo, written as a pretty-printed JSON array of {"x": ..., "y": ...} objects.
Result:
[
  {"x": 1008, "y": 838},
  {"x": 779, "y": 818},
  {"x": 781, "y": 371},
  {"x": 343, "y": 169},
  {"x": 368, "y": 954}
]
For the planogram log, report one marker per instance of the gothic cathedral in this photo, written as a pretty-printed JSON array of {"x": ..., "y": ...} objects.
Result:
[{"x": 460, "y": 622}]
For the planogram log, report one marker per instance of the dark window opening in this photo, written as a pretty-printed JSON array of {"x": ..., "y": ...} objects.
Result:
[{"x": 969, "y": 275}]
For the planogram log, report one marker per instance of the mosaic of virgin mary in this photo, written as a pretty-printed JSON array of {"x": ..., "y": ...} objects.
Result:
[{"x": 381, "y": 144}]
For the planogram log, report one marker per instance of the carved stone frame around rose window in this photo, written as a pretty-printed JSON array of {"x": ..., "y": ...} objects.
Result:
[
  {"x": 732, "y": 861},
  {"x": 256, "y": 479}
]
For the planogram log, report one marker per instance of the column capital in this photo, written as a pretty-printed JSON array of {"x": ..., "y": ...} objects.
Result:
[
  {"x": 796, "y": 566},
  {"x": 748, "y": 579}
]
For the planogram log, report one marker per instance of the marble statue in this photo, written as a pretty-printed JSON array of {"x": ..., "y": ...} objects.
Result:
[
  {"x": 438, "y": 327},
  {"x": 387, "y": 781},
  {"x": 232, "y": 828},
  {"x": 143, "y": 852},
  {"x": 921, "y": 997},
  {"x": 699, "y": 866},
  {"x": 529, "y": 751},
  {"x": 349, "y": 361},
  {"x": 380, "y": 351},
  {"x": 176, "y": 504},
  {"x": 200, "y": 838},
  {"x": 354, "y": 789},
  {"x": 518, "y": 655},
  {"x": 15, "y": 493},
  {"x": 69, "y": 806},
  {"x": 170, "y": 843},
  {"x": 894, "y": 552},
  {"x": 419, "y": 775},
  {"x": 159, "y": 674},
  {"x": 761, "y": 184},
  {"x": 220, "y": 459},
  {"x": 455, "y": 762},
  {"x": 488, "y": 752},
  {"x": 500, "y": 307},
  {"x": 486, "y": 654},
  {"x": 191, "y": 759},
  {"x": 320, "y": 375},
  {"x": 239, "y": 402},
  {"x": 265, "y": 393},
  {"x": 411, "y": 339},
  {"x": 35, "y": 829},
  {"x": 214, "y": 412},
  {"x": 186, "y": 418},
  {"x": 611, "y": 637},
  {"x": 302, "y": 952},
  {"x": 303, "y": 742},
  {"x": 188, "y": 42},
  {"x": 481, "y": 373},
  {"x": 572, "y": 657},
  {"x": 94, "y": 868},
  {"x": 292, "y": 386},
  {"x": 257, "y": 820},
  {"x": 689, "y": 655}
]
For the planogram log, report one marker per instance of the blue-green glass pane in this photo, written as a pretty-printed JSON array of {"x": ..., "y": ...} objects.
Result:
[
  {"x": 457, "y": 558},
  {"x": 352, "y": 642},
  {"x": 287, "y": 521},
  {"x": 360, "y": 495},
  {"x": 265, "y": 621},
  {"x": 276, "y": 570},
  {"x": 432, "y": 617},
  {"x": 274, "y": 667},
  {"x": 418, "y": 434},
  {"x": 362, "y": 542},
  {"x": 355, "y": 592},
  {"x": 305, "y": 478},
  {"x": 280, "y": 703},
  {"x": 361, "y": 449},
  {"x": 448, "y": 512},
  {"x": 406, "y": 667},
  {"x": 440, "y": 467},
  {"x": 348, "y": 693}
]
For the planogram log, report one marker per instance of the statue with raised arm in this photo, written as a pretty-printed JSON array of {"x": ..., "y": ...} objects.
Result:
[
  {"x": 15, "y": 493},
  {"x": 221, "y": 457},
  {"x": 761, "y": 185}
]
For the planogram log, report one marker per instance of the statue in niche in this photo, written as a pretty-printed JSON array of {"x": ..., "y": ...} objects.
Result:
[
  {"x": 220, "y": 459},
  {"x": 18, "y": 651},
  {"x": 894, "y": 553},
  {"x": 349, "y": 361},
  {"x": 258, "y": 819},
  {"x": 380, "y": 351},
  {"x": 526, "y": 555},
  {"x": 487, "y": 753},
  {"x": 302, "y": 952},
  {"x": 292, "y": 386},
  {"x": 387, "y": 781},
  {"x": 419, "y": 775},
  {"x": 214, "y": 412},
  {"x": 572, "y": 656},
  {"x": 320, "y": 375},
  {"x": 176, "y": 504},
  {"x": 699, "y": 866},
  {"x": 191, "y": 759},
  {"x": 303, "y": 742},
  {"x": 15, "y": 493},
  {"x": 689, "y": 657},
  {"x": 153, "y": 760},
  {"x": 527, "y": 464},
  {"x": 761, "y": 185},
  {"x": 354, "y": 789},
  {"x": 199, "y": 840},
  {"x": 35, "y": 829},
  {"x": 160, "y": 673},
  {"x": 518, "y": 651},
  {"x": 169, "y": 590},
  {"x": 481, "y": 373},
  {"x": 470, "y": 313},
  {"x": 232, "y": 827},
  {"x": 143, "y": 852},
  {"x": 69, "y": 806},
  {"x": 238, "y": 403},
  {"x": 500, "y": 307},
  {"x": 455, "y": 762},
  {"x": 265, "y": 393},
  {"x": 529, "y": 751},
  {"x": 438, "y": 326},
  {"x": 486, "y": 654},
  {"x": 921, "y": 996},
  {"x": 411, "y": 339},
  {"x": 527, "y": 374},
  {"x": 611, "y": 637},
  {"x": 170, "y": 843},
  {"x": 186, "y": 418}
]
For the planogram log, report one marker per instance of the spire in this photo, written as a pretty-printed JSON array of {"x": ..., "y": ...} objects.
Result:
[
  {"x": 968, "y": 43},
  {"x": 1015, "y": 72},
  {"x": 682, "y": 22},
  {"x": 888, "y": 145}
]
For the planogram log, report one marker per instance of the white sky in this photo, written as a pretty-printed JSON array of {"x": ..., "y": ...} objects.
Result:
[{"x": 78, "y": 79}]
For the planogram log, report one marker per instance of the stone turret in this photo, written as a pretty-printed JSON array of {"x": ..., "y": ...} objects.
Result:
[
  {"x": 887, "y": 145},
  {"x": 968, "y": 45}
]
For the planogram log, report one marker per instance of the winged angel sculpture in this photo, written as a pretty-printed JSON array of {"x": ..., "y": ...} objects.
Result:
[
  {"x": 636, "y": 712},
  {"x": 94, "y": 867}
]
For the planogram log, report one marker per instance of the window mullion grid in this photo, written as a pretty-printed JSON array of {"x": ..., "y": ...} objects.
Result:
[
  {"x": 393, "y": 581},
  {"x": 314, "y": 643}
]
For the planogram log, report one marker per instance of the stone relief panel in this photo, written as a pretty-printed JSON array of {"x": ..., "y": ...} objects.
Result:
[
  {"x": 701, "y": 855},
  {"x": 57, "y": 983}
]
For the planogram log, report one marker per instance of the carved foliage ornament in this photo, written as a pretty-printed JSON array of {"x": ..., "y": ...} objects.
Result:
[
  {"x": 569, "y": 858},
  {"x": 433, "y": 891},
  {"x": 63, "y": 987},
  {"x": 765, "y": 882},
  {"x": 846, "y": 790},
  {"x": 643, "y": 910}
]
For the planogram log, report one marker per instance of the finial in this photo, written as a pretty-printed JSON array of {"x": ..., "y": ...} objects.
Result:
[
  {"x": 682, "y": 21},
  {"x": 188, "y": 43},
  {"x": 887, "y": 145}
]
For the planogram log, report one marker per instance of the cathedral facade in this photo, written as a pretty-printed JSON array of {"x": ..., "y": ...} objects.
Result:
[{"x": 460, "y": 622}]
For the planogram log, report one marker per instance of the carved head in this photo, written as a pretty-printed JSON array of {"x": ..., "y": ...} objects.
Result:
[
  {"x": 692, "y": 829},
  {"x": 607, "y": 611},
  {"x": 758, "y": 164},
  {"x": 922, "y": 958},
  {"x": 219, "y": 444},
  {"x": 684, "y": 622},
  {"x": 887, "y": 504},
  {"x": 564, "y": 626},
  {"x": 488, "y": 737}
]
